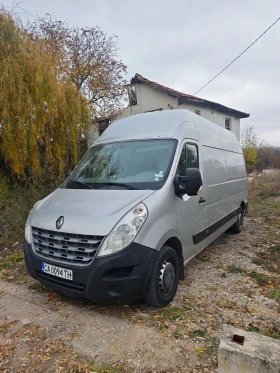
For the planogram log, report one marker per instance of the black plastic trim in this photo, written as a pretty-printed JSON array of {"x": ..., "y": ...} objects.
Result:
[
  {"x": 119, "y": 277},
  {"x": 206, "y": 232},
  {"x": 52, "y": 280}
]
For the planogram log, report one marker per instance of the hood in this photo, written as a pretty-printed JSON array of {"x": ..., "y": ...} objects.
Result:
[{"x": 92, "y": 212}]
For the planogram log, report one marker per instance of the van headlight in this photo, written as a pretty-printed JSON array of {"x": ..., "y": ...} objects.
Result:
[
  {"x": 124, "y": 231},
  {"x": 28, "y": 231},
  {"x": 28, "y": 227}
]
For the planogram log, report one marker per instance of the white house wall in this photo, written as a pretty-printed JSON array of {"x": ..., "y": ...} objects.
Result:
[
  {"x": 149, "y": 99},
  {"x": 92, "y": 134},
  {"x": 215, "y": 116}
]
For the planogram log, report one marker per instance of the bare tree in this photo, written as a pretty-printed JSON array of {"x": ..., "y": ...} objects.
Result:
[
  {"x": 89, "y": 58},
  {"x": 268, "y": 157}
]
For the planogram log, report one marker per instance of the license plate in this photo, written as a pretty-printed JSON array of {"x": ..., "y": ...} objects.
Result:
[{"x": 57, "y": 271}]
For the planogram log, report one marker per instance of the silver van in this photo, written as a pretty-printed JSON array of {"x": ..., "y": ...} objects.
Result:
[{"x": 153, "y": 191}]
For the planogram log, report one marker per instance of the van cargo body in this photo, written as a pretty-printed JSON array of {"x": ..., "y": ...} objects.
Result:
[{"x": 153, "y": 191}]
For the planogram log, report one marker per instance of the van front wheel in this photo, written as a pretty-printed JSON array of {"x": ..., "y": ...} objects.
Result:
[{"x": 164, "y": 279}]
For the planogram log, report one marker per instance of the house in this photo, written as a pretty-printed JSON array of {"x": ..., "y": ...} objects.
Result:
[{"x": 146, "y": 96}]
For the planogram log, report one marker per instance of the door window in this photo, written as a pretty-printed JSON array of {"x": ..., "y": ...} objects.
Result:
[{"x": 188, "y": 159}]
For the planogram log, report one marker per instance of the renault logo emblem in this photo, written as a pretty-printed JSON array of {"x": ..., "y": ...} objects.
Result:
[{"x": 59, "y": 222}]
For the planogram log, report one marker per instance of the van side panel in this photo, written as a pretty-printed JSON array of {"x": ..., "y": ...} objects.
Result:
[
  {"x": 210, "y": 139},
  {"x": 236, "y": 147},
  {"x": 224, "y": 174},
  {"x": 227, "y": 144},
  {"x": 218, "y": 202},
  {"x": 214, "y": 176},
  {"x": 231, "y": 176},
  {"x": 231, "y": 169},
  {"x": 240, "y": 185}
]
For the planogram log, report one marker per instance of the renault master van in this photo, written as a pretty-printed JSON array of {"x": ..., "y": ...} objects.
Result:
[{"x": 153, "y": 191}]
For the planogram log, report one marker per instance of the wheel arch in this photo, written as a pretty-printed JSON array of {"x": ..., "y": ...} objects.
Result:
[
  {"x": 244, "y": 207},
  {"x": 176, "y": 244}
]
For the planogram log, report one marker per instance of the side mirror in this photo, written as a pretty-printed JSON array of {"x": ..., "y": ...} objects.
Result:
[{"x": 188, "y": 184}]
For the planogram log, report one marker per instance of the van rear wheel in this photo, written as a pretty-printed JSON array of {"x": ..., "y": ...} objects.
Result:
[
  {"x": 238, "y": 225},
  {"x": 164, "y": 279}
]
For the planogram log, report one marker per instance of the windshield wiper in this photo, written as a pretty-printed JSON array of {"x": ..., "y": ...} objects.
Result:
[
  {"x": 82, "y": 183},
  {"x": 126, "y": 186}
]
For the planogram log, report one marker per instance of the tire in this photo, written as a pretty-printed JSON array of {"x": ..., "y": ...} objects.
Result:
[
  {"x": 238, "y": 225},
  {"x": 164, "y": 279}
]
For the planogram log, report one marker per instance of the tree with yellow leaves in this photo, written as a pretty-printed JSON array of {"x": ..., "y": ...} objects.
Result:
[
  {"x": 249, "y": 142},
  {"x": 43, "y": 116}
]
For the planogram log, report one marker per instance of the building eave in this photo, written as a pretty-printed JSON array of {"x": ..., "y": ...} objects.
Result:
[{"x": 186, "y": 98}]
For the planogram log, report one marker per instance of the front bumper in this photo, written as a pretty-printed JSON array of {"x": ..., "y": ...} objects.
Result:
[{"x": 119, "y": 277}]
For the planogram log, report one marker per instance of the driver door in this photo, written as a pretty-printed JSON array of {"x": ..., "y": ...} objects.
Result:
[{"x": 190, "y": 209}]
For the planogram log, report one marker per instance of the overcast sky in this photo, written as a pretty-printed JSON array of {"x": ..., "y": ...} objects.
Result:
[{"x": 183, "y": 43}]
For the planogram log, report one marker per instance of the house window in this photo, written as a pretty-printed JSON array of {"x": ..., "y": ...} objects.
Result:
[
  {"x": 228, "y": 124},
  {"x": 132, "y": 96},
  {"x": 197, "y": 112},
  {"x": 103, "y": 124}
]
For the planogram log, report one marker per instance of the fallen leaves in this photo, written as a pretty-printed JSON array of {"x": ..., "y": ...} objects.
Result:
[
  {"x": 39, "y": 351},
  {"x": 75, "y": 336},
  {"x": 271, "y": 286},
  {"x": 158, "y": 316},
  {"x": 199, "y": 349},
  {"x": 255, "y": 324},
  {"x": 211, "y": 312},
  {"x": 112, "y": 349},
  {"x": 52, "y": 297}
]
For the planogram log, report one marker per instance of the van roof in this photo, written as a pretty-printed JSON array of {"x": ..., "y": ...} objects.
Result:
[{"x": 159, "y": 124}]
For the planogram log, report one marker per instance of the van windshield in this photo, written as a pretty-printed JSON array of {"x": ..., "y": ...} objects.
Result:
[{"x": 142, "y": 164}]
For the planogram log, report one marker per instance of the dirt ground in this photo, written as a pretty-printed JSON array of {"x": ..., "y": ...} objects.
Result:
[{"x": 234, "y": 281}]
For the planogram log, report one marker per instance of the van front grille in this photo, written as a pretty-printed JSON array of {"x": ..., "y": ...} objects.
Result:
[{"x": 65, "y": 247}]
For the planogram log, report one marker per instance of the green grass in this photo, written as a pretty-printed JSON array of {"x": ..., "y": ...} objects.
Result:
[
  {"x": 275, "y": 249},
  {"x": 198, "y": 333},
  {"x": 213, "y": 345},
  {"x": 15, "y": 203},
  {"x": 269, "y": 259},
  {"x": 260, "y": 278},
  {"x": 107, "y": 368},
  {"x": 275, "y": 294},
  {"x": 174, "y": 313},
  {"x": 259, "y": 261},
  {"x": 235, "y": 269},
  {"x": 10, "y": 261},
  {"x": 177, "y": 334},
  {"x": 253, "y": 329},
  {"x": 274, "y": 333}
]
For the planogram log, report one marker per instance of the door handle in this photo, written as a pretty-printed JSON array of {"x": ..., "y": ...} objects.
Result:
[{"x": 201, "y": 200}]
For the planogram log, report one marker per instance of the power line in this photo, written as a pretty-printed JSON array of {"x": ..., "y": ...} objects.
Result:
[{"x": 238, "y": 56}]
